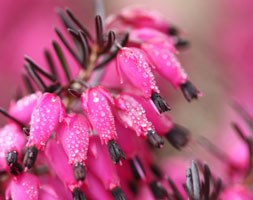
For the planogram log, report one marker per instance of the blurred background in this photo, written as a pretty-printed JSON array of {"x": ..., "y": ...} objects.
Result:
[{"x": 219, "y": 60}]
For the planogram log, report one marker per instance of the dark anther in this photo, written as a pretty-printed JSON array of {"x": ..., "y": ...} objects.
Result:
[
  {"x": 173, "y": 31},
  {"x": 74, "y": 92},
  {"x": 50, "y": 63},
  {"x": 137, "y": 168},
  {"x": 133, "y": 186},
  {"x": 39, "y": 69},
  {"x": 11, "y": 158},
  {"x": 79, "y": 172},
  {"x": 154, "y": 139},
  {"x": 115, "y": 151},
  {"x": 156, "y": 171},
  {"x": 28, "y": 84},
  {"x": 6, "y": 114},
  {"x": 26, "y": 130},
  {"x": 181, "y": 43},
  {"x": 110, "y": 41},
  {"x": 217, "y": 189},
  {"x": 30, "y": 157},
  {"x": 77, "y": 194},
  {"x": 118, "y": 194},
  {"x": 178, "y": 136},
  {"x": 239, "y": 132},
  {"x": 99, "y": 30},
  {"x": 160, "y": 104},
  {"x": 189, "y": 185},
  {"x": 69, "y": 48},
  {"x": 176, "y": 194},
  {"x": 190, "y": 91},
  {"x": 36, "y": 78},
  {"x": 78, "y": 23},
  {"x": 16, "y": 169},
  {"x": 62, "y": 60},
  {"x": 207, "y": 177},
  {"x": 195, "y": 181},
  {"x": 85, "y": 49},
  {"x": 158, "y": 190}
]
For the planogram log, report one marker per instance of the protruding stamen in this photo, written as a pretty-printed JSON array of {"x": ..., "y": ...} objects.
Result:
[
  {"x": 137, "y": 168},
  {"x": 178, "y": 136},
  {"x": 190, "y": 91},
  {"x": 64, "y": 41},
  {"x": 12, "y": 158},
  {"x": 78, "y": 23},
  {"x": 99, "y": 30},
  {"x": 160, "y": 104},
  {"x": 77, "y": 194},
  {"x": 118, "y": 194},
  {"x": 181, "y": 43},
  {"x": 6, "y": 114},
  {"x": 30, "y": 156},
  {"x": 39, "y": 69},
  {"x": 173, "y": 31},
  {"x": 16, "y": 169},
  {"x": 28, "y": 84},
  {"x": 158, "y": 190},
  {"x": 154, "y": 139},
  {"x": 62, "y": 60},
  {"x": 50, "y": 63},
  {"x": 79, "y": 172},
  {"x": 156, "y": 171},
  {"x": 176, "y": 194},
  {"x": 207, "y": 177},
  {"x": 115, "y": 151}
]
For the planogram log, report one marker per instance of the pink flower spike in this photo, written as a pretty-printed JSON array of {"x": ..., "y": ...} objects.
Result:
[
  {"x": 22, "y": 109},
  {"x": 168, "y": 66},
  {"x": 134, "y": 116},
  {"x": 23, "y": 187},
  {"x": 12, "y": 141},
  {"x": 74, "y": 136},
  {"x": 97, "y": 103},
  {"x": 46, "y": 115}
]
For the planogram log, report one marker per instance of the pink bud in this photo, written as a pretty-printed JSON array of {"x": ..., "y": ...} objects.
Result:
[
  {"x": 23, "y": 187},
  {"x": 148, "y": 35},
  {"x": 74, "y": 136},
  {"x": 46, "y": 115},
  {"x": 137, "y": 17},
  {"x": 11, "y": 139},
  {"x": 133, "y": 114},
  {"x": 166, "y": 63},
  {"x": 97, "y": 103},
  {"x": 58, "y": 162},
  {"x": 134, "y": 65},
  {"x": 99, "y": 163},
  {"x": 22, "y": 109}
]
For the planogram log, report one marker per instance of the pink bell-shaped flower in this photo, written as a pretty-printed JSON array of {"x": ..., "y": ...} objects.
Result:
[
  {"x": 74, "y": 133},
  {"x": 22, "y": 109},
  {"x": 97, "y": 104},
  {"x": 23, "y": 187},
  {"x": 12, "y": 141},
  {"x": 134, "y": 116},
  {"x": 100, "y": 165},
  {"x": 46, "y": 115},
  {"x": 134, "y": 65}
]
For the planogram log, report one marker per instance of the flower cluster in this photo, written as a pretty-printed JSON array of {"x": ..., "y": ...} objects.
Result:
[{"x": 90, "y": 136}]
